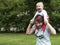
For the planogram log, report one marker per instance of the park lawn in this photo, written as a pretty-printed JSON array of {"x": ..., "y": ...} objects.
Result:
[{"x": 23, "y": 39}]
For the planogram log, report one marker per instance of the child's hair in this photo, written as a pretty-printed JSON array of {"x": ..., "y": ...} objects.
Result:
[
  {"x": 39, "y": 18},
  {"x": 40, "y": 2}
]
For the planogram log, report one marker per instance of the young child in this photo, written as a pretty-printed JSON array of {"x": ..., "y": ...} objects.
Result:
[{"x": 41, "y": 11}]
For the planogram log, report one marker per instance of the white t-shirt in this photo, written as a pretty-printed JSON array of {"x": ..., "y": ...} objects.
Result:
[
  {"x": 46, "y": 39},
  {"x": 43, "y": 13}
]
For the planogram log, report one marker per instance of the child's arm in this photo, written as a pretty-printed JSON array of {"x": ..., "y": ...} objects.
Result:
[
  {"x": 45, "y": 15},
  {"x": 32, "y": 20},
  {"x": 52, "y": 30},
  {"x": 29, "y": 29}
]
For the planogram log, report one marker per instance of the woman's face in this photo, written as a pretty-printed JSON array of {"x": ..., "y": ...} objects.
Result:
[
  {"x": 39, "y": 24},
  {"x": 39, "y": 20}
]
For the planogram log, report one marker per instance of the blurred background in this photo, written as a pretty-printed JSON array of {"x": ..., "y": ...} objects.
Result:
[{"x": 16, "y": 14}]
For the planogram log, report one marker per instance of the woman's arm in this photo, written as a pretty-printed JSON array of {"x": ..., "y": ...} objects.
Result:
[
  {"x": 29, "y": 29},
  {"x": 52, "y": 30}
]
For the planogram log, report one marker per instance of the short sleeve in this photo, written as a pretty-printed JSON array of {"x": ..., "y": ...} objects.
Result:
[{"x": 45, "y": 15}]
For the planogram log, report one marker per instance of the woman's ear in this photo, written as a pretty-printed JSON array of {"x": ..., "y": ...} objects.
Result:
[{"x": 48, "y": 19}]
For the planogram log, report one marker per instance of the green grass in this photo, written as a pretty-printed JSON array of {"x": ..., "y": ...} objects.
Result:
[
  {"x": 55, "y": 40},
  {"x": 23, "y": 39}
]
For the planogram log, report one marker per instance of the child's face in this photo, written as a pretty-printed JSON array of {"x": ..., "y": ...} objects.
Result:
[{"x": 39, "y": 6}]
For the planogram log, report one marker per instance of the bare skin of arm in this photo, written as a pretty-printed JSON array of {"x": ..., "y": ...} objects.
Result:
[
  {"x": 29, "y": 29},
  {"x": 52, "y": 30}
]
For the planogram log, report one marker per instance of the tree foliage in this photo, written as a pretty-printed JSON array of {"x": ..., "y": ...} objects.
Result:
[
  {"x": 9, "y": 9},
  {"x": 17, "y": 13}
]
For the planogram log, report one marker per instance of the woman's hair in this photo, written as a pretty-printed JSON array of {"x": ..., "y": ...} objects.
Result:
[{"x": 39, "y": 18}]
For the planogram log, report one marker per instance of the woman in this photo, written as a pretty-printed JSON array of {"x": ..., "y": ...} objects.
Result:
[{"x": 42, "y": 30}]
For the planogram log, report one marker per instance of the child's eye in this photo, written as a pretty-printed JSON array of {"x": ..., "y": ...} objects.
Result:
[{"x": 39, "y": 6}]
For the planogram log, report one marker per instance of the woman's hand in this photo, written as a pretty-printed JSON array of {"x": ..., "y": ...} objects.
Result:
[
  {"x": 46, "y": 21},
  {"x": 52, "y": 30},
  {"x": 31, "y": 21}
]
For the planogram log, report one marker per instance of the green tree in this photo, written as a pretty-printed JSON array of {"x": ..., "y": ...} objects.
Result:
[{"x": 9, "y": 9}]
